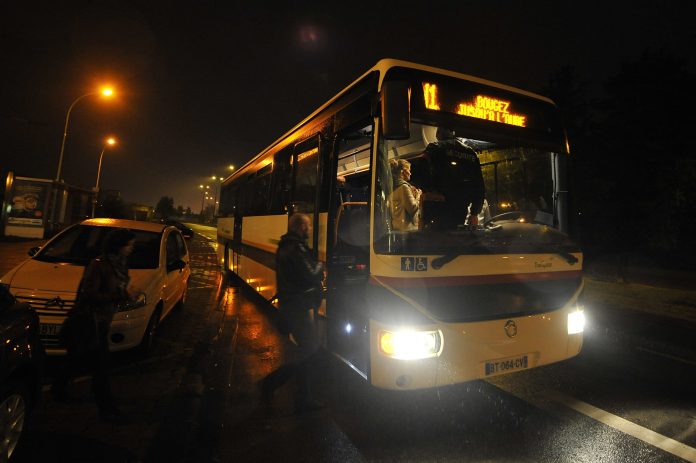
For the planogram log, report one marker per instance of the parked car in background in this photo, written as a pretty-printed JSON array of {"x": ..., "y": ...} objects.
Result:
[
  {"x": 185, "y": 230},
  {"x": 159, "y": 266},
  {"x": 21, "y": 365}
]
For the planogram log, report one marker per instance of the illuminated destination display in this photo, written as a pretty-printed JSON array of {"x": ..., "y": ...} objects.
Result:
[
  {"x": 481, "y": 107},
  {"x": 430, "y": 95},
  {"x": 304, "y": 155}
]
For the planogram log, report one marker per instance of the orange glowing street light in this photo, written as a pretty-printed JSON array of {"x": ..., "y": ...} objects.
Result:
[
  {"x": 217, "y": 190},
  {"x": 110, "y": 141},
  {"x": 106, "y": 92},
  {"x": 204, "y": 197}
]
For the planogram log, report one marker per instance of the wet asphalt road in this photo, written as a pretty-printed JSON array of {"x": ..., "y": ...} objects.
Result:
[{"x": 627, "y": 397}]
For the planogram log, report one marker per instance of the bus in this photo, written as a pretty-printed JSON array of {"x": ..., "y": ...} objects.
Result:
[{"x": 445, "y": 301}]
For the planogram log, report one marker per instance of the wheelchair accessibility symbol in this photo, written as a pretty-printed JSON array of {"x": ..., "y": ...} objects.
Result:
[{"x": 414, "y": 264}]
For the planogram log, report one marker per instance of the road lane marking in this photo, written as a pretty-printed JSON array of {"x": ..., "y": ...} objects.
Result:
[
  {"x": 627, "y": 427},
  {"x": 662, "y": 354},
  {"x": 545, "y": 399}
]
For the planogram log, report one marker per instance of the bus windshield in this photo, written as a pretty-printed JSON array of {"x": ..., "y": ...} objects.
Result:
[{"x": 441, "y": 192}]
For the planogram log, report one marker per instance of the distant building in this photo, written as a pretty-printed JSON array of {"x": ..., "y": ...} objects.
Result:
[
  {"x": 142, "y": 212},
  {"x": 110, "y": 195}
]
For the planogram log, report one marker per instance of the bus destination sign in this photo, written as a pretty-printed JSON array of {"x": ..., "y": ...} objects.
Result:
[{"x": 481, "y": 107}]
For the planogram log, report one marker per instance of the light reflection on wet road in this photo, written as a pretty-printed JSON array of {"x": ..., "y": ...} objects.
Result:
[{"x": 195, "y": 399}]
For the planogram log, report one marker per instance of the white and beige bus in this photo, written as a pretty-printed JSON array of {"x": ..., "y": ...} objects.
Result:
[{"x": 445, "y": 301}]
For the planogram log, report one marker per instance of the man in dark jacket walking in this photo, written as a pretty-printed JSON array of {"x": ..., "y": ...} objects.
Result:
[{"x": 298, "y": 277}]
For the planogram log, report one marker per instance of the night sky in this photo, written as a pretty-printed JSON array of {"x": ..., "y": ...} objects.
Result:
[{"x": 205, "y": 84}]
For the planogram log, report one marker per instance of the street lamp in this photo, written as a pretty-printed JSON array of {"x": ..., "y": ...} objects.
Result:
[
  {"x": 106, "y": 92},
  {"x": 111, "y": 141},
  {"x": 217, "y": 191},
  {"x": 204, "y": 197}
]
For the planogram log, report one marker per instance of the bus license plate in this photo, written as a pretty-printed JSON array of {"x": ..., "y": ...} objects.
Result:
[
  {"x": 506, "y": 365},
  {"x": 49, "y": 329}
]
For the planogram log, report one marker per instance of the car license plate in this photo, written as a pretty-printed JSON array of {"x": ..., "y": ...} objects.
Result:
[
  {"x": 49, "y": 329},
  {"x": 506, "y": 365}
]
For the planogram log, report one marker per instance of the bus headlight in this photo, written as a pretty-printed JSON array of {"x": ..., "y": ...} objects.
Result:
[
  {"x": 576, "y": 322},
  {"x": 410, "y": 345}
]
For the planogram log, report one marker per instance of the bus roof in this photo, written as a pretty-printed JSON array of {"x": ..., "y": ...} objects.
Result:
[{"x": 382, "y": 67}]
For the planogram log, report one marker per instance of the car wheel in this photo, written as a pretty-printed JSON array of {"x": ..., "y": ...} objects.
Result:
[
  {"x": 182, "y": 302},
  {"x": 149, "y": 336},
  {"x": 14, "y": 405}
]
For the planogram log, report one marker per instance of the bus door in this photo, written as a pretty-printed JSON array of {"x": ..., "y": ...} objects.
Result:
[{"x": 349, "y": 252}]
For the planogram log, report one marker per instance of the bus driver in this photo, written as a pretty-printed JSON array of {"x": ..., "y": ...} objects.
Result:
[{"x": 455, "y": 172}]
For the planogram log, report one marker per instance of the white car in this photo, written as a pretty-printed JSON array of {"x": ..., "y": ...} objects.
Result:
[{"x": 159, "y": 266}]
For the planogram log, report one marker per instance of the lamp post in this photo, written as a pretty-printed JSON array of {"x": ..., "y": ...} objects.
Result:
[
  {"x": 106, "y": 92},
  {"x": 217, "y": 180},
  {"x": 111, "y": 141},
  {"x": 204, "y": 196}
]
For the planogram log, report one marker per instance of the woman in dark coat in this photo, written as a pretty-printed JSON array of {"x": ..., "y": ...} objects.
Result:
[{"x": 104, "y": 286}]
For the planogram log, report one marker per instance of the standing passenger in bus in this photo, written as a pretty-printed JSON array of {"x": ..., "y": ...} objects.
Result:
[
  {"x": 404, "y": 198},
  {"x": 455, "y": 172},
  {"x": 299, "y": 280}
]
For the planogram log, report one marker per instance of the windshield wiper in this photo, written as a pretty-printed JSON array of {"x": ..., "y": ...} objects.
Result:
[
  {"x": 568, "y": 257},
  {"x": 439, "y": 262}
]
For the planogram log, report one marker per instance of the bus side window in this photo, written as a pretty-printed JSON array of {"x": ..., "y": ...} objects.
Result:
[
  {"x": 281, "y": 183},
  {"x": 304, "y": 194}
]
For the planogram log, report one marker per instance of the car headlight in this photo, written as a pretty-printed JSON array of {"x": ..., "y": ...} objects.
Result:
[
  {"x": 410, "y": 344},
  {"x": 139, "y": 301},
  {"x": 576, "y": 322}
]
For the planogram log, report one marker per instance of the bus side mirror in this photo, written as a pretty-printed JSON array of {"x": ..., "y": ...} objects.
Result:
[{"x": 396, "y": 110}]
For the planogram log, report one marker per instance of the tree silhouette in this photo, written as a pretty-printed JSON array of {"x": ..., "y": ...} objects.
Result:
[
  {"x": 634, "y": 171},
  {"x": 646, "y": 151},
  {"x": 165, "y": 207}
]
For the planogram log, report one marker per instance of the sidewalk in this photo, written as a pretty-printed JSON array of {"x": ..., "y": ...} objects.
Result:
[{"x": 654, "y": 290}]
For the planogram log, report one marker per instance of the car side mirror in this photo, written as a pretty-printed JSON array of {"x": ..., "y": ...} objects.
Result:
[
  {"x": 396, "y": 110},
  {"x": 32, "y": 252},
  {"x": 178, "y": 264}
]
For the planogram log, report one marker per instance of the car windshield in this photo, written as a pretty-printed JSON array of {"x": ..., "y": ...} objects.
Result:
[
  {"x": 82, "y": 243},
  {"x": 429, "y": 184}
]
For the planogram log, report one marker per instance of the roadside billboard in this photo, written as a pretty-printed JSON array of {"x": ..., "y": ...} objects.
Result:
[{"x": 26, "y": 204}]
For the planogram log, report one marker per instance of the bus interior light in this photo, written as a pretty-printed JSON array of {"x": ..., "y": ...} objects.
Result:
[
  {"x": 576, "y": 322},
  {"x": 409, "y": 344}
]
